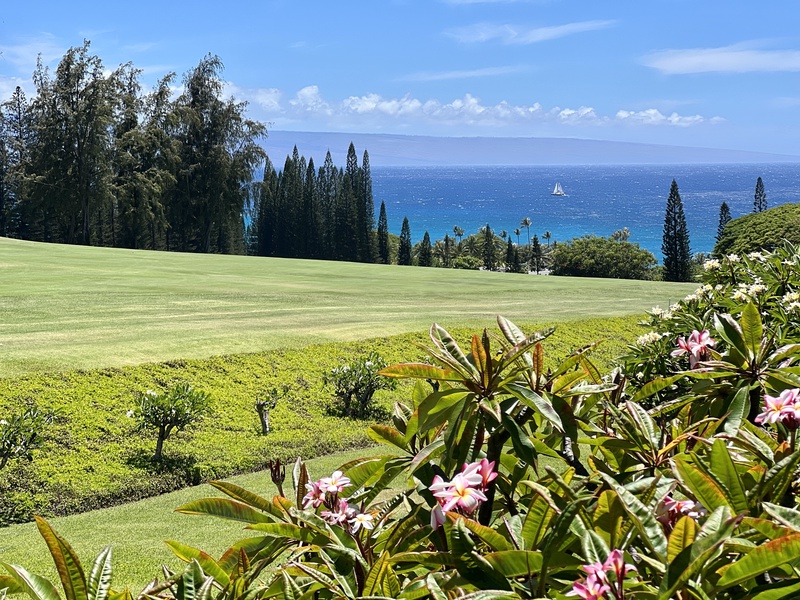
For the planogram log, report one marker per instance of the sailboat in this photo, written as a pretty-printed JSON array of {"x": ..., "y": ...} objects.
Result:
[{"x": 558, "y": 190}]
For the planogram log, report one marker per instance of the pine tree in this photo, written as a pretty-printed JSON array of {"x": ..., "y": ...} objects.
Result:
[
  {"x": 724, "y": 218},
  {"x": 488, "y": 248},
  {"x": 383, "y": 236},
  {"x": 536, "y": 253},
  {"x": 675, "y": 241},
  {"x": 368, "y": 228},
  {"x": 425, "y": 256},
  {"x": 509, "y": 254},
  {"x": 760, "y": 197},
  {"x": 404, "y": 250}
]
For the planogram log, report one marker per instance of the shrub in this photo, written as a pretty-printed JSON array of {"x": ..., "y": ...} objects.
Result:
[
  {"x": 592, "y": 256},
  {"x": 765, "y": 230},
  {"x": 355, "y": 385},
  {"x": 21, "y": 433},
  {"x": 170, "y": 411}
]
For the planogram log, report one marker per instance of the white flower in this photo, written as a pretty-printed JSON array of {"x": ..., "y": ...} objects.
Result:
[
  {"x": 674, "y": 308},
  {"x": 733, "y": 258},
  {"x": 756, "y": 256},
  {"x": 362, "y": 520},
  {"x": 712, "y": 265},
  {"x": 740, "y": 296},
  {"x": 756, "y": 289},
  {"x": 793, "y": 308},
  {"x": 660, "y": 313},
  {"x": 690, "y": 298},
  {"x": 3, "y": 422},
  {"x": 129, "y": 414},
  {"x": 791, "y": 297},
  {"x": 648, "y": 338}
]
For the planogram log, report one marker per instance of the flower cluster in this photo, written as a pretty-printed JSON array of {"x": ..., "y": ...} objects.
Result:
[
  {"x": 598, "y": 584},
  {"x": 648, "y": 338},
  {"x": 325, "y": 492},
  {"x": 670, "y": 511},
  {"x": 698, "y": 346},
  {"x": 464, "y": 493},
  {"x": 784, "y": 408}
]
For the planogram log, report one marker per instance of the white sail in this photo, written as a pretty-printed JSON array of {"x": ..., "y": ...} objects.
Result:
[{"x": 558, "y": 190}]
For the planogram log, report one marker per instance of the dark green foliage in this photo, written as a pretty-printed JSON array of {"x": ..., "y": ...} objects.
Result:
[
  {"x": 21, "y": 433},
  {"x": 404, "y": 250},
  {"x": 724, "y": 219},
  {"x": 760, "y": 231},
  {"x": 355, "y": 384},
  {"x": 510, "y": 250},
  {"x": 591, "y": 256},
  {"x": 537, "y": 253},
  {"x": 383, "y": 236},
  {"x": 425, "y": 252},
  {"x": 675, "y": 241},
  {"x": 488, "y": 249},
  {"x": 759, "y": 197}
]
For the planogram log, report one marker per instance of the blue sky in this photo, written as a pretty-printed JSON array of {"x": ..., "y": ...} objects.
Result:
[{"x": 684, "y": 72}]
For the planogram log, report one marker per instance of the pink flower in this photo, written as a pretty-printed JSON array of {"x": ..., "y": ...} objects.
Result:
[
  {"x": 591, "y": 589},
  {"x": 342, "y": 513},
  {"x": 698, "y": 346},
  {"x": 616, "y": 562},
  {"x": 315, "y": 496},
  {"x": 461, "y": 492},
  {"x": 484, "y": 468},
  {"x": 779, "y": 408},
  {"x": 438, "y": 517},
  {"x": 335, "y": 483}
]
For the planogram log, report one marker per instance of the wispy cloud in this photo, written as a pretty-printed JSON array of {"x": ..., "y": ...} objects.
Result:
[
  {"x": 309, "y": 105},
  {"x": 24, "y": 54},
  {"x": 515, "y": 34},
  {"x": 738, "y": 58},
  {"x": 469, "y": 74}
]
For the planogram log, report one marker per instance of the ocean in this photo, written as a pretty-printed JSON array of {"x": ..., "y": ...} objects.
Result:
[{"x": 599, "y": 200}]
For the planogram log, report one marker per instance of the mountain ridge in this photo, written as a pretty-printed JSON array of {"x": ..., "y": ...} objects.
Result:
[{"x": 418, "y": 150}]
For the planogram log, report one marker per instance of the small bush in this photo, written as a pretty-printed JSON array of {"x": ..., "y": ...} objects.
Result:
[{"x": 355, "y": 385}]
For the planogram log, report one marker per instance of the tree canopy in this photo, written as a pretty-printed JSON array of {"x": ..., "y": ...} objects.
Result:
[{"x": 592, "y": 256}]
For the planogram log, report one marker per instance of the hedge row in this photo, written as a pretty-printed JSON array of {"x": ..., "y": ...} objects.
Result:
[{"x": 93, "y": 457}]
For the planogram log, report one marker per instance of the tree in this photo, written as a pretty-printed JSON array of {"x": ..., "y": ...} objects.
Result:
[
  {"x": 355, "y": 385},
  {"x": 536, "y": 253},
  {"x": 591, "y": 256},
  {"x": 509, "y": 254},
  {"x": 169, "y": 411},
  {"x": 760, "y": 197},
  {"x": 425, "y": 253},
  {"x": 621, "y": 235},
  {"x": 458, "y": 232},
  {"x": 404, "y": 250},
  {"x": 675, "y": 241},
  {"x": 724, "y": 219},
  {"x": 383, "y": 236},
  {"x": 546, "y": 236},
  {"x": 755, "y": 232},
  {"x": 489, "y": 260},
  {"x": 526, "y": 223},
  {"x": 517, "y": 231},
  {"x": 21, "y": 433}
]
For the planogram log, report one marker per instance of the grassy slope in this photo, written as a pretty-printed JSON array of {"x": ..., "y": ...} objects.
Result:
[
  {"x": 137, "y": 531},
  {"x": 67, "y": 307}
]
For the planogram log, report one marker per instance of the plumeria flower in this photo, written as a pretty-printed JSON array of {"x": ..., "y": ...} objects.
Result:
[
  {"x": 461, "y": 492},
  {"x": 616, "y": 563},
  {"x": 438, "y": 517},
  {"x": 484, "y": 468},
  {"x": 698, "y": 346},
  {"x": 340, "y": 515},
  {"x": 364, "y": 520},
  {"x": 590, "y": 589},
  {"x": 315, "y": 496},
  {"x": 776, "y": 407},
  {"x": 335, "y": 483}
]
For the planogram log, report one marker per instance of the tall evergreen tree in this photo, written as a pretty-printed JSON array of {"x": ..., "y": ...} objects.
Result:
[
  {"x": 675, "y": 241},
  {"x": 536, "y": 253},
  {"x": 383, "y": 236},
  {"x": 509, "y": 254},
  {"x": 368, "y": 227},
  {"x": 17, "y": 140},
  {"x": 724, "y": 218},
  {"x": 425, "y": 256},
  {"x": 404, "y": 249},
  {"x": 759, "y": 197},
  {"x": 489, "y": 260}
]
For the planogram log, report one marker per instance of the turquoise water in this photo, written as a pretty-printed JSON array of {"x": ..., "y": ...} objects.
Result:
[{"x": 600, "y": 199}]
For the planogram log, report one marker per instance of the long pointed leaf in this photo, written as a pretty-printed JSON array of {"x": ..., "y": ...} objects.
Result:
[
  {"x": 99, "y": 582},
  {"x": 225, "y": 509},
  {"x": 208, "y": 564},
  {"x": 760, "y": 560},
  {"x": 36, "y": 586},
  {"x": 70, "y": 571}
]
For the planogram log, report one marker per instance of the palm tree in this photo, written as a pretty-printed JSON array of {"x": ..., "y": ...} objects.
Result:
[
  {"x": 547, "y": 235},
  {"x": 458, "y": 232},
  {"x": 517, "y": 231},
  {"x": 526, "y": 223},
  {"x": 503, "y": 234}
]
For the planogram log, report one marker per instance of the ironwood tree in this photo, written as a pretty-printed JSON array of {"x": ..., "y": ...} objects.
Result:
[
  {"x": 724, "y": 219},
  {"x": 675, "y": 240},
  {"x": 759, "y": 197},
  {"x": 404, "y": 249}
]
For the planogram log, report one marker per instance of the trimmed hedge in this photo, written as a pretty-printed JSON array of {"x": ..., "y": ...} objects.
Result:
[
  {"x": 760, "y": 231},
  {"x": 93, "y": 457}
]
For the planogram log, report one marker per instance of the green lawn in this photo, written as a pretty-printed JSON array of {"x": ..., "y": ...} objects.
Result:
[
  {"x": 137, "y": 531},
  {"x": 67, "y": 307}
]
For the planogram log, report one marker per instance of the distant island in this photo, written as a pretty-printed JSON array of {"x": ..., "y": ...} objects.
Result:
[{"x": 418, "y": 150}]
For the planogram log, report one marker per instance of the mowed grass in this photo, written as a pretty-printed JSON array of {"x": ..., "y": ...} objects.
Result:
[
  {"x": 75, "y": 307},
  {"x": 137, "y": 530}
]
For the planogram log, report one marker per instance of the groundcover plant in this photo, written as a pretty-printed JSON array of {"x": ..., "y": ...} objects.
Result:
[{"x": 673, "y": 476}]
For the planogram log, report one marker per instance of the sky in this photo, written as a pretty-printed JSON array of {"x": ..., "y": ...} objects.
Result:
[{"x": 704, "y": 73}]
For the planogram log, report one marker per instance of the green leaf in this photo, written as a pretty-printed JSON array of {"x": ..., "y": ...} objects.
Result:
[
  {"x": 439, "y": 406},
  {"x": 787, "y": 516},
  {"x": 444, "y": 341},
  {"x": 732, "y": 333},
  {"x": 208, "y": 564},
  {"x": 286, "y": 531},
  {"x": 363, "y": 471},
  {"x": 99, "y": 582},
  {"x": 387, "y": 435},
  {"x": 245, "y": 496},
  {"x": 776, "y": 591},
  {"x": 724, "y": 469},
  {"x": 420, "y": 371},
  {"x": 374, "y": 582},
  {"x": 36, "y": 586},
  {"x": 737, "y": 411},
  {"x": 424, "y": 455},
  {"x": 488, "y": 535},
  {"x": 515, "y": 563},
  {"x": 644, "y": 423},
  {"x": 752, "y": 330},
  {"x": 655, "y": 386},
  {"x": 643, "y": 518},
  {"x": 537, "y": 520},
  {"x": 760, "y": 560},
  {"x": 681, "y": 537},
  {"x": 535, "y": 401},
  {"x": 69, "y": 567},
  {"x": 703, "y": 488},
  {"x": 225, "y": 509},
  {"x": 519, "y": 439},
  {"x": 595, "y": 548}
]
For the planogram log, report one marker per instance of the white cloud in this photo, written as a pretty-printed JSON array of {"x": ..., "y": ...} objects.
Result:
[
  {"x": 738, "y": 58},
  {"x": 23, "y": 56},
  {"x": 515, "y": 34},
  {"x": 9, "y": 84},
  {"x": 471, "y": 74},
  {"x": 309, "y": 107}
]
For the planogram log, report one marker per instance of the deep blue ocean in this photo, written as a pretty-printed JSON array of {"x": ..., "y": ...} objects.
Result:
[{"x": 600, "y": 199}]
